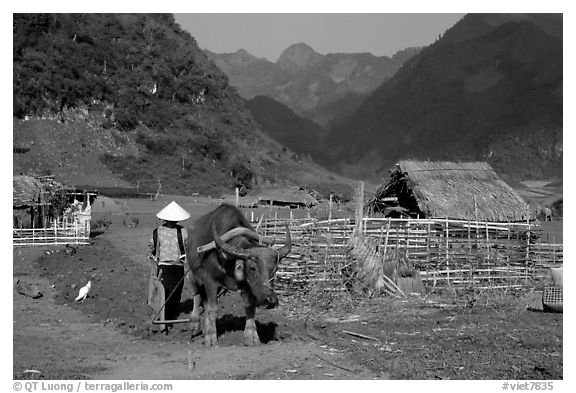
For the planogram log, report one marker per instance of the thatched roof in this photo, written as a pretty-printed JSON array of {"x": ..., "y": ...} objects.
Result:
[
  {"x": 465, "y": 190},
  {"x": 26, "y": 190},
  {"x": 284, "y": 196}
]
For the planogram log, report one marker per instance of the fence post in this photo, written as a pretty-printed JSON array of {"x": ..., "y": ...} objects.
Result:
[
  {"x": 33, "y": 231},
  {"x": 408, "y": 232},
  {"x": 237, "y": 195},
  {"x": 428, "y": 245},
  {"x": 359, "y": 207},
  {"x": 487, "y": 241},
  {"x": 508, "y": 244},
  {"x": 527, "y": 243},
  {"x": 447, "y": 255},
  {"x": 386, "y": 239},
  {"x": 330, "y": 209}
]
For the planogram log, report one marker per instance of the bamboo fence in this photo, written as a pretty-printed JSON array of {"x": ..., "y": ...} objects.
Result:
[
  {"x": 58, "y": 232},
  {"x": 445, "y": 252}
]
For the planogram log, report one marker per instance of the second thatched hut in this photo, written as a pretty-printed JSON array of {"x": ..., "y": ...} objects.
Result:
[{"x": 455, "y": 190}]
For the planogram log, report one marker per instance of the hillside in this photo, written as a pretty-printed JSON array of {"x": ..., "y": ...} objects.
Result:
[
  {"x": 307, "y": 82},
  {"x": 489, "y": 89},
  {"x": 283, "y": 125},
  {"x": 106, "y": 100}
]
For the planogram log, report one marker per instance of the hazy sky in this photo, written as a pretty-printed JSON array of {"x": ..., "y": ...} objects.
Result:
[{"x": 267, "y": 35}]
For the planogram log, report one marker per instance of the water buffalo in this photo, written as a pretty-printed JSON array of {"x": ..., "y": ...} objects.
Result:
[{"x": 224, "y": 251}]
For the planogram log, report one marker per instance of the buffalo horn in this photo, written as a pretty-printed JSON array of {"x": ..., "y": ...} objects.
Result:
[
  {"x": 232, "y": 233},
  {"x": 228, "y": 248},
  {"x": 285, "y": 250}
]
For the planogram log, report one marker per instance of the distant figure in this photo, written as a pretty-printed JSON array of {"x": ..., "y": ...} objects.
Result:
[
  {"x": 546, "y": 212},
  {"x": 135, "y": 222},
  {"x": 168, "y": 248}
]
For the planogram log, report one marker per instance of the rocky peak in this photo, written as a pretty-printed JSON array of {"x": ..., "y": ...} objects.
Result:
[{"x": 299, "y": 56}]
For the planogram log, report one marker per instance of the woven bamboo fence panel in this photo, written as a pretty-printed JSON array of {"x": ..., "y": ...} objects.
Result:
[
  {"x": 444, "y": 252},
  {"x": 58, "y": 233}
]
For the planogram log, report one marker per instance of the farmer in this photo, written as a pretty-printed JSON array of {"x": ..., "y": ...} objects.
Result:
[{"x": 167, "y": 246}]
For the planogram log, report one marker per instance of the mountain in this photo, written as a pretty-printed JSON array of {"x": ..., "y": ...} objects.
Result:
[
  {"x": 308, "y": 82},
  {"x": 489, "y": 89},
  {"x": 301, "y": 135},
  {"x": 115, "y": 100}
]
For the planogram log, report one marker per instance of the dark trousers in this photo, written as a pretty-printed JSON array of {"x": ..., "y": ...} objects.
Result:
[{"x": 171, "y": 279}]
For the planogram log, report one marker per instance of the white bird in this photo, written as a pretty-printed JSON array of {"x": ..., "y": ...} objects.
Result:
[{"x": 83, "y": 293}]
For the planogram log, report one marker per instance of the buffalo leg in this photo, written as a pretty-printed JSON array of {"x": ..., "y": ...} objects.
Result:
[
  {"x": 195, "y": 325},
  {"x": 250, "y": 333},
  {"x": 210, "y": 315}
]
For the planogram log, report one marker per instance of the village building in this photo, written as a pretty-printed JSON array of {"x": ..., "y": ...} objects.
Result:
[
  {"x": 47, "y": 212},
  {"x": 292, "y": 197},
  {"x": 456, "y": 190}
]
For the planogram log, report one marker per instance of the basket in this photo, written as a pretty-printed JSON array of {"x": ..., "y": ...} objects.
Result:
[{"x": 553, "y": 298}]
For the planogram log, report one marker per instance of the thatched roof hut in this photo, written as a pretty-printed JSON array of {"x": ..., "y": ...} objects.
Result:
[
  {"x": 26, "y": 191},
  {"x": 457, "y": 190}
]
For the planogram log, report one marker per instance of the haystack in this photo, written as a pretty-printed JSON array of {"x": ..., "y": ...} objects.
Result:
[{"x": 456, "y": 190}]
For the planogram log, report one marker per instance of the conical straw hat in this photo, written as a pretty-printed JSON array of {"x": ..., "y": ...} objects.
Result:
[{"x": 173, "y": 212}]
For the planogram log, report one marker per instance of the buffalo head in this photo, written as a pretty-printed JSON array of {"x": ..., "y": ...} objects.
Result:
[{"x": 255, "y": 267}]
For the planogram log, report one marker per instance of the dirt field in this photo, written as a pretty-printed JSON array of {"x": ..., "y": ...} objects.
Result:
[{"x": 108, "y": 336}]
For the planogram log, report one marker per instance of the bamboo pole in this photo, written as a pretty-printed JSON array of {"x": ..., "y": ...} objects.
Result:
[
  {"x": 359, "y": 214},
  {"x": 386, "y": 239},
  {"x": 487, "y": 242}
]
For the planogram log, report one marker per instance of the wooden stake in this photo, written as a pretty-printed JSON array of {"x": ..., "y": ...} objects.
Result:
[
  {"x": 359, "y": 335},
  {"x": 393, "y": 285}
]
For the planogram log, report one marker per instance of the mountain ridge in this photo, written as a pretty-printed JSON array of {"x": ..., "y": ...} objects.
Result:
[
  {"x": 306, "y": 81},
  {"x": 458, "y": 98}
]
